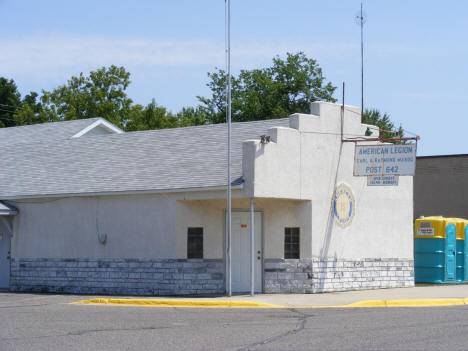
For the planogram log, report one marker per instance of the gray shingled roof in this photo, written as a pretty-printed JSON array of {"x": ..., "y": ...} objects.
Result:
[
  {"x": 43, "y": 132},
  {"x": 166, "y": 159}
]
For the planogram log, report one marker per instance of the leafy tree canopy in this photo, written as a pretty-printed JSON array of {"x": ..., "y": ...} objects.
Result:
[
  {"x": 100, "y": 94},
  {"x": 32, "y": 111},
  {"x": 157, "y": 117},
  {"x": 150, "y": 117},
  {"x": 374, "y": 117},
  {"x": 191, "y": 116},
  {"x": 10, "y": 100},
  {"x": 288, "y": 86}
]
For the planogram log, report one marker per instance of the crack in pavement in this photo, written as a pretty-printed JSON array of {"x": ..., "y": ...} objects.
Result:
[
  {"x": 84, "y": 332},
  {"x": 300, "y": 326},
  {"x": 42, "y": 304}
]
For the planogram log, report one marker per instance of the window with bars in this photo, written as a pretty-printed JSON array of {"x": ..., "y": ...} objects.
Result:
[
  {"x": 195, "y": 243},
  {"x": 291, "y": 242}
]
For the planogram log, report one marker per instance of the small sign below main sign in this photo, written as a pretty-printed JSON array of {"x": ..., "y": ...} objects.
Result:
[
  {"x": 386, "y": 180},
  {"x": 383, "y": 160}
]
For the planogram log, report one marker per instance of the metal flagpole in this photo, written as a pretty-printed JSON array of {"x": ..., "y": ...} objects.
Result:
[
  {"x": 252, "y": 248},
  {"x": 229, "y": 256},
  {"x": 362, "y": 62}
]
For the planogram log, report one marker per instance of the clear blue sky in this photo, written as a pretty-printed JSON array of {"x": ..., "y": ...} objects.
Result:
[{"x": 415, "y": 51}]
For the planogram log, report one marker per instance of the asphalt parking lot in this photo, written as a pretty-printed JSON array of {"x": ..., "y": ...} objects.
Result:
[{"x": 50, "y": 322}]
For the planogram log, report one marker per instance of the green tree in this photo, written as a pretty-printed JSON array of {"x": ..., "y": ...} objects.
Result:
[
  {"x": 101, "y": 94},
  {"x": 157, "y": 117},
  {"x": 10, "y": 100},
  {"x": 191, "y": 116},
  {"x": 32, "y": 111},
  {"x": 288, "y": 86},
  {"x": 374, "y": 117},
  {"x": 150, "y": 117}
]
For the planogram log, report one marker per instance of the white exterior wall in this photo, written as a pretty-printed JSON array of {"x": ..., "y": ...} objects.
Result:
[
  {"x": 277, "y": 214},
  {"x": 200, "y": 213},
  {"x": 136, "y": 226},
  {"x": 145, "y": 226},
  {"x": 307, "y": 161}
]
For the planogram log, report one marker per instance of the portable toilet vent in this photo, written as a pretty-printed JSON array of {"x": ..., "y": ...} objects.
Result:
[{"x": 435, "y": 250}]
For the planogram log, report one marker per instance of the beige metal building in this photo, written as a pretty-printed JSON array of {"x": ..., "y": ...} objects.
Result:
[{"x": 441, "y": 186}]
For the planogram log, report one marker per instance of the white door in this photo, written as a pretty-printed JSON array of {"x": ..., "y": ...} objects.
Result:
[
  {"x": 4, "y": 257},
  {"x": 241, "y": 251}
]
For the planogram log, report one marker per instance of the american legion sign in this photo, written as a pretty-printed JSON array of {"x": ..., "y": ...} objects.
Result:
[{"x": 389, "y": 159}]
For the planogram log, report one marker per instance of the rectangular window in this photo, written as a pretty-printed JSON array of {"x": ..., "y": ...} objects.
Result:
[
  {"x": 195, "y": 243},
  {"x": 291, "y": 242}
]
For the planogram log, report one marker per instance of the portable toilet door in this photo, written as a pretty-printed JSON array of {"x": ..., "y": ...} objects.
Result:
[
  {"x": 466, "y": 252},
  {"x": 459, "y": 248},
  {"x": 450, "y": 252}
]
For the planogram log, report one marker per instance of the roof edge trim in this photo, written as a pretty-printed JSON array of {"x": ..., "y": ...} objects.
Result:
[
  {"x": 436, "y": 156},
  {"x": 125, "y": 192}
]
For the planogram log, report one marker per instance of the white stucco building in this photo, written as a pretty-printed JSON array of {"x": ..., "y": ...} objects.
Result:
[{"x": 90, "y": 209}]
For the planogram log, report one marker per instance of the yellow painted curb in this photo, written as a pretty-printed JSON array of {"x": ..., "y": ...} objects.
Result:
[
  {"x": 410, "y": 303},
  {"x": 178, "y": 303},
  {"x": 398, "y": 303},
  {"x": 250, "y": 304}
]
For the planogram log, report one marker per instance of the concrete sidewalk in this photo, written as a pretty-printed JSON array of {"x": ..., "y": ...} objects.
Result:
[{"x": 431, "y": 295}]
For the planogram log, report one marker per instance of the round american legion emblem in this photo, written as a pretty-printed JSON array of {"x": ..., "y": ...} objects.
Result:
[{"x": 343, "y": 205}]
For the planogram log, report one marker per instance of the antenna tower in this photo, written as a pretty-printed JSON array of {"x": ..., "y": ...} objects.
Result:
[{"x": 360, "y": 20}]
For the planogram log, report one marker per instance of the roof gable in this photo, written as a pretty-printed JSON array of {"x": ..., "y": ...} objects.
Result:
[
  {"x": 55, "y": 131},
  {"x": 99, "y": 127}
]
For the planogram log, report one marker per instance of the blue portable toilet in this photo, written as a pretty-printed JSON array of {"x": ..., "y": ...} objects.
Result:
[{"x": 435, "y": 250}]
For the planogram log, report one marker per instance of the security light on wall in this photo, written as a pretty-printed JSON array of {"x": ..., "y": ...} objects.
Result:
[{"x": 102, "y": 238}]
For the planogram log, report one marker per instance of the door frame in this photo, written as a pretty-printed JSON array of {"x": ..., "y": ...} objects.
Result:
[
  {"x": 262, "y": 240},
  {"x": 8, "y": 224}
]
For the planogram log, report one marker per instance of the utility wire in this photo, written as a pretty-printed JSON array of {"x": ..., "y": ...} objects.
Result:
[
  {"x": 388, "y": 131},
  {"x": 1, "y": 109},
  {"x": 16, "y": 109},
  {"x": 9, "y": 106},
  {"x": 7, "y": 118},
  {"x": 407, "y": 131}
]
